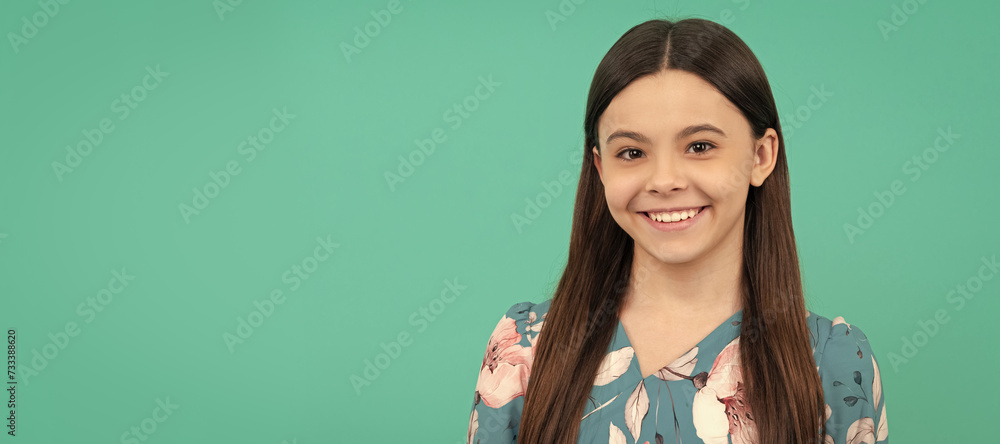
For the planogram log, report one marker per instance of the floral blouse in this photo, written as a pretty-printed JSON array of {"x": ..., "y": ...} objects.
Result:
[{"x": 697, "y": 398}]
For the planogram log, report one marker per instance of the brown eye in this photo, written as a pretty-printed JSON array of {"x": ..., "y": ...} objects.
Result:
[
  {"x": 631, "y": 151},
  {"x": 706, "y": 147}
]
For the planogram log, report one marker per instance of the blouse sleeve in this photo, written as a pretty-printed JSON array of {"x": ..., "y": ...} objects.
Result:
[
  {"x": 499, "y": 396},
  {"x": 855, "y": 405}
]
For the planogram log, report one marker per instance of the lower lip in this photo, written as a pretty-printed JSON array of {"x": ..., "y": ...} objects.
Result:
[{"x": 675, "y": 226}]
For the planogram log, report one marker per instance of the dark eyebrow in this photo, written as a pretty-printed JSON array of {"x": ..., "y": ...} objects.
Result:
[{"x": 639, "y": 137}]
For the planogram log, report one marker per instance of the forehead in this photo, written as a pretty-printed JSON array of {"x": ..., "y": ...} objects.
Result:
[{"x": 662, "y": 104}]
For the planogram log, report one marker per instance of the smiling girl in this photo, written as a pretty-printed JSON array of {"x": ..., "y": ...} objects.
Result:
[{"x": 680, "y": 316}]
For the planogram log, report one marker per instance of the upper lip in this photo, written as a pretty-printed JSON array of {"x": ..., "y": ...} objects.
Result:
[{"x": 670, "y": 210}]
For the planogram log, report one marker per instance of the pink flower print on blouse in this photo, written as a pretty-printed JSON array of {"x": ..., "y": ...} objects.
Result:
[
  {"x": 532, "y": 327},
  {"x": 506, "y": 366},
  {"x": 720, "y": 406}
]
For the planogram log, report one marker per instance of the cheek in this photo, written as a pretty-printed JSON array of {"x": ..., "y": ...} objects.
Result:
[
  {"x": 617, "y": 200},
  {"x": 727, "y": 184},
  {"x": 620, "y": 190}
]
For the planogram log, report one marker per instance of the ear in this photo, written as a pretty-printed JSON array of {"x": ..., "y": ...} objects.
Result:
[
  {"x": 597, "y": 163},
  {"x": 765, "y": 157}
]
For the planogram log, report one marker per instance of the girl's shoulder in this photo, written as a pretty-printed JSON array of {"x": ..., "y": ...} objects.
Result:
[
  {"x": 838, "y": 333},
  {"x": 851, "y": 379},
  {"x": 527, "y": 309},
  {"x": 527, "y": 318}
]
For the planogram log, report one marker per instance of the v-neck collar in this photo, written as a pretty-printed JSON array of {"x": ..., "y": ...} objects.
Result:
[{"x": 709, "y": 346}]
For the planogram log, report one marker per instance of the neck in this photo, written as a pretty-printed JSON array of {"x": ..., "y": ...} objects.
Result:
[{"x": 708, "y": 286}]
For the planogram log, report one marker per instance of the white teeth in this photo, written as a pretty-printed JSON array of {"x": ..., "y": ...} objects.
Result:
[{"x": 674, "y": 216}]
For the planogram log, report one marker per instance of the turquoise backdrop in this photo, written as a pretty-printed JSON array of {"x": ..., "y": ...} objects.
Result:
[{"x": 297, "y": 222}]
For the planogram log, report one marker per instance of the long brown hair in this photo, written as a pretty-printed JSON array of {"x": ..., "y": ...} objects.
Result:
[{"x": 779, "y": 372}]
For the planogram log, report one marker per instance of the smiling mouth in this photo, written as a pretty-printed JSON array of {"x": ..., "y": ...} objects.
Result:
[{"x": 674, "y": 217}]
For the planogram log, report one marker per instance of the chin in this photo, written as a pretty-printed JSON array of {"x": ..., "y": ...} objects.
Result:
[{"x": 679, "y": 254}]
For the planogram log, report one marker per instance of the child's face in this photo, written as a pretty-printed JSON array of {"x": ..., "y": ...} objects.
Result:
[{"x": 672, "y": 169}]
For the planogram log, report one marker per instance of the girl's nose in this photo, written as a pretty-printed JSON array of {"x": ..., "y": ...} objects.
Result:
[{"x": 667, "y": 175}]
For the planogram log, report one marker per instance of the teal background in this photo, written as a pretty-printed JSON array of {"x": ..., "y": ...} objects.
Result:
[{"x": 323, "y": 176}]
